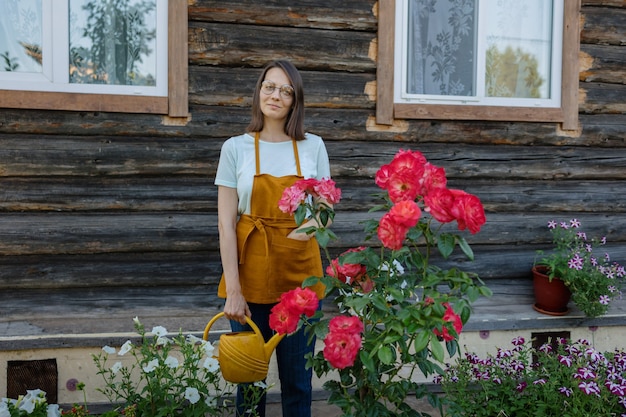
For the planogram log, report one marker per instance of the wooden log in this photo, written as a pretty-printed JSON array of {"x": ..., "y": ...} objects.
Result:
[
  {"x": 216, "y": 86},
  {"x": 232, "y": 45},
  {"x": 603, "y": 26},
  {"x": 345, "y": 15},
  {"x": 603, "y": 64},
  {"x": 128, "y": 194},
  {"x": 113, "y": 270},
  {"x": 218, "y": 123},
  {"x": 86, "y": 156},
  {"x": 603, "y": 98},
  {"x": 95, "y": 233}
]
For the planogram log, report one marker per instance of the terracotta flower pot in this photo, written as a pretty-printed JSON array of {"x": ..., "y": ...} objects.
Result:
[{"x": 551, "y": 297}]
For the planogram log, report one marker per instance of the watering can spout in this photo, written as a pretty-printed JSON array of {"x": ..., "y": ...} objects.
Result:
[{"x": 244, "y": 356}]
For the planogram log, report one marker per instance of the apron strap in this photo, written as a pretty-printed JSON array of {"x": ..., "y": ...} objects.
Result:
[{"x": 257, "y": 158}]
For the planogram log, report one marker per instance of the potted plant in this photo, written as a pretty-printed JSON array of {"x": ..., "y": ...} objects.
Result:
[
  {"x": 591, "y": 277},
  {"x": 398, "y": 310},
  {"x": 564, "y": 378}
]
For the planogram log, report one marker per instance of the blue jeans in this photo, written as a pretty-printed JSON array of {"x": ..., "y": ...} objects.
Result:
[{"x": 295, "y": 379}]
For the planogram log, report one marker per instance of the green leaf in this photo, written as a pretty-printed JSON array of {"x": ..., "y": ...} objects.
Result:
[
  {"x": 367, "y": 361},
  {"x": 385, "y": 355},
  {"x": 445, "y": 244},
  {"x": 465, "y": 247},
  {"x": 436, "y": 349},
  {"x": 421, "y": 341},
  {"x": 310, "y": 281}
]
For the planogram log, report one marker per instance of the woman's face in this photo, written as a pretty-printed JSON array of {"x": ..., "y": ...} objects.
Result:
[{"x": 277, "y": 103}]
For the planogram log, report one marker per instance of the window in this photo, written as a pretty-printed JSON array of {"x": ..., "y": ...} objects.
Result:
[
  {"x": 106, "y": 55},
  {"x": 508, "y": 60}
]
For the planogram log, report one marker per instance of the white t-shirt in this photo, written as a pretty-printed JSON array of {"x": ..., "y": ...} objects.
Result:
[{"x": 236, "y": 168}]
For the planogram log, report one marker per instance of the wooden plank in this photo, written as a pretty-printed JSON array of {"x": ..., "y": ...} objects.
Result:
[
  {"x": 178, "y": 103},
  {"x": 569, "y": 65},
  {"x": 463, "y": 112},
  {"x": 357, "y": 15},
  {"x": 83, "y": 102},
  {"x": 385, "y": 63},
  {"x": 230, "y": 45}
]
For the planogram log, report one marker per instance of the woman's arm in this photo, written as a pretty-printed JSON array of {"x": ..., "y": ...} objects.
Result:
[{"x": 236, "y": 307}]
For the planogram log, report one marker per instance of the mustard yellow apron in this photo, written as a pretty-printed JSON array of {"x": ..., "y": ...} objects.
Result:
[{"x": 270, "y": 263}]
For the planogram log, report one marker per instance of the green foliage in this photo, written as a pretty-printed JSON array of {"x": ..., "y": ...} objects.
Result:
[
  {"x": 556, "y": 380},
  {"x": 167, "y": 377}
]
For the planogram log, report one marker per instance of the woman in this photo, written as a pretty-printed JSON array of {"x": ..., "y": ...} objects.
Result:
[{"x": 263, "y": 254}]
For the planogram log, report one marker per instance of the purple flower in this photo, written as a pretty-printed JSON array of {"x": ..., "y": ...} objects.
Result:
[
  {"x": 605, "y": 300},
  {"x": 584, "y": 373},
  {"x": 551, "y": 224},
  {"x": 575, "y": 223},
  {"x": 566, "y": 391},
  {"x": 521, "y": 386},
  {"x": 589, "y": 387},
  {"x": 545, "y": 348},
  {"x": 616, "y": 389},
  {"x": 566, "y": 360},
  {"x": 518, "y": 341},
  {"x": 540, "y": 381},
  {"x": 576, "y": 262}
]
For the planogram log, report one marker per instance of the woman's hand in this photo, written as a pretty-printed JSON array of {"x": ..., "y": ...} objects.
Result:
[{"x": 236, "y": 308}]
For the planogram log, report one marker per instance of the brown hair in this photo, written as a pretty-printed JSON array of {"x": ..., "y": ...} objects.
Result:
[{"x": 295, "y": 119}]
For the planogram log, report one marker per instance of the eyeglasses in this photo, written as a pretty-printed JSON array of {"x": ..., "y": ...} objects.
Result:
[{"x": 268, "y": 87}]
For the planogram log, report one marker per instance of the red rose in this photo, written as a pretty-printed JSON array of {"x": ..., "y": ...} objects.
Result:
[
  {"x": 300, "y": 301},
  {"x": 405, "y": 213},
  {"x": 347, "y": 273},
  {"x": 282, "y": 320},
  {"x": 434, "y": 177},
  {"x": 341, "y": 349},
  {"x": 439, "y": 202},
  {"x": 390, "y": 233},
  {"x": 451, "y": 317},
  {"x": 327, "y": 190},
  {"x": 468, "y": 211},
  {"x": 345, "y": 324}
]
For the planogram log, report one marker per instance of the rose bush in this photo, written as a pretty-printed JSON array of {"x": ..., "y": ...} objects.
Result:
[{"x": 398, "y": 310}]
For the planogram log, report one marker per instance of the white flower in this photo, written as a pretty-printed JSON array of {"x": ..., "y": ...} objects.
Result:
[
  {"x": 211, "y": 401},
  {"x": 211, "y": 364},
  {"x": 172, "y": 362},
  {"x": 192, "y": 339},
  {"x": 108, "y": 349},
  {"x": 151, "y": 366},
  {"x": 126, "y": 347},
  {"x": 260, "y": 384},
  {"x": 136, "y": 321},
  {"x": 116, "y": 367},
  {"x": 162, "y": 341},
  {"x": 192, "y": 395},
  {"x": 4, "y": 408},
  {"x": 208, "y": 348},
  {"x": 159, "y": 331},
  {"x": 53, "y": 411}
]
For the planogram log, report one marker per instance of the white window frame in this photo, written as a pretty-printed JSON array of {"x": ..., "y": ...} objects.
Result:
[{"x": 171, "y": 100}]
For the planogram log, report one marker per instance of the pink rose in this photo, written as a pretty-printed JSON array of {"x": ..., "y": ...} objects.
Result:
[
  {"x": 282, "y": 320},
  {"x": 300, "y": 301},
  {"x": 341, "y": 349},
  {"x": 439, "y": 202},
  {"x": 434, "y": 177},
  {"x": 468, "y": 211},
  {"x": 291, "y": 199},
  {"x": 390, "y": 233},
  {"x": 345, "y": 324},
  {"x": 327, "y": 190}
]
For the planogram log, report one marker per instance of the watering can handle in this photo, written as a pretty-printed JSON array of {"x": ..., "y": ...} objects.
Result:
[{"x": 219, "y": 315}]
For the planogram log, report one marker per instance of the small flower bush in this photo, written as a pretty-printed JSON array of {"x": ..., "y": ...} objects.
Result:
[
  {"x": 168, "y": 376},
  {"x": 398, "y": 311},
  {"x": 556, "y": 380},
  {"x": 593, "y": 278},
  {"x": 33, "y": 404}
]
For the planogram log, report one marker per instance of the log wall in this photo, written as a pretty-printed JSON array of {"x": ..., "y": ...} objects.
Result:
[{"x": 127, "y": 201}]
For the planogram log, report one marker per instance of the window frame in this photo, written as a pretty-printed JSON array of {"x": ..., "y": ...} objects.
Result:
[
  {"x": 175, "y": 104},
  {"x": 387, "y": 110}
]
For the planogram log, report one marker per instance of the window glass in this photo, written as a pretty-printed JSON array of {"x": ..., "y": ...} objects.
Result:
[
  {"x": 504, "y": 52},
  {"x": 112, "y": 42},
  {"x": 21, "y": 36}
]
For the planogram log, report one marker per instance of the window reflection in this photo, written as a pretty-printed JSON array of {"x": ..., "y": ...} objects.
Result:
[
  {"x": 113, "y": 42},
  {"x": 20, "y": 36}
]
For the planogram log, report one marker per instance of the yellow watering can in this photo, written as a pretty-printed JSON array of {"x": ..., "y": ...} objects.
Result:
[{"x": 244, "y": 356}]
